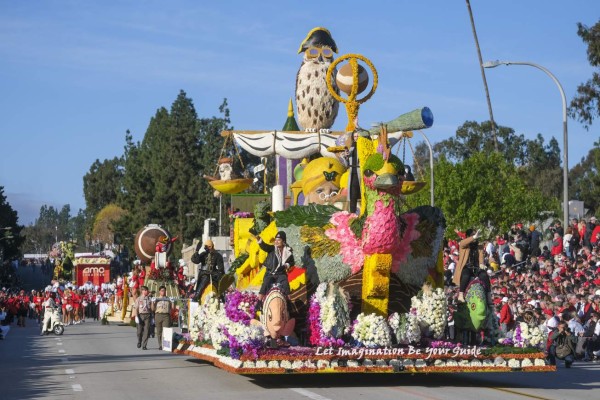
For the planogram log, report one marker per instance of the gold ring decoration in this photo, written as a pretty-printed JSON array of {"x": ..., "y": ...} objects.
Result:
[{"x": 352, "y": 103}]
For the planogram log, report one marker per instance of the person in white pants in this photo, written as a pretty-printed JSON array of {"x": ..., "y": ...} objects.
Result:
[{"x": 49, "y": 305}]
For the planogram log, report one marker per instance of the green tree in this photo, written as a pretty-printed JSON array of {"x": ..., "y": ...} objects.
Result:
[
  {"x": 162, "y": 181},
  {"x": 102, "y": 185},
  {"x": 538, "y": 163},
  {"x": 473, "y": 137},
  {"x": 51, "y": 226},
  {"x": 584, "y": 179},
  {"x": 10, "y": 231},
  {"x": 585, "y": 106},
  {"x": 137, "y": 191},
  {"x": 482, "y": 191}
]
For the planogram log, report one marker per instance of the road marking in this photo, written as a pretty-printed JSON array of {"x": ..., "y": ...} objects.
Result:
[
  {"x": 69, "y": 371},
  {"x": 59, "y": 344},
  {"x": 77, "y": 388},
  {"x": 519, "y": 393},
  {"x": 61, "y": 351},
  {"x": 309, "y": 394}
]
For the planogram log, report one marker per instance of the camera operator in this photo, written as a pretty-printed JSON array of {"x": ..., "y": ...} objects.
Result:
[
  {"x": 563, "y": 345},
  {"x": 211, "y": 266}
]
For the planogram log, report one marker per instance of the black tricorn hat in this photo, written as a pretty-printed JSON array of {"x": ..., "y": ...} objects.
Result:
[{"x": 318, "y": 37}]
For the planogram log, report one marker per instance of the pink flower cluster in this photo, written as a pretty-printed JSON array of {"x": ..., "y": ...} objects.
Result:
[{"x": 351, "y": 246}]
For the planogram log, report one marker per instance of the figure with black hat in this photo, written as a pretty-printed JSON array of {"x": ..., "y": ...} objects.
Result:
[
  {"x": 277, "y": 263},
  {"x": 211, "y": 266}
]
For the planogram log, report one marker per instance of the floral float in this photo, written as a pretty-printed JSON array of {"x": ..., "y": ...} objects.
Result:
[{"x": 357, "y": 294}]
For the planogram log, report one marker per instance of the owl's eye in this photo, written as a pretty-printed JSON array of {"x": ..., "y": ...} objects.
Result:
[
  {"x": 312, "y": 52},
  {"x": 327, "y": 52}
]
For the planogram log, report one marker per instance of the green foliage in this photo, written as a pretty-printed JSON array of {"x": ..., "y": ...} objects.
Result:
[
  {"x": 499, "y": 349},
  {"x": 584, "y": 180},
  {"x": 162, "y": 181},
  {"x": 309, "y": 215},
  {"x": 375, "y": 162},
  {"x": 238, "y": 261},
  {"x": 529, "y": 165},
  {"x": 585, "y": 105},
  {"x": 102, "y": 185},
  {"x": 10, "y": 232},
  {"x": 357, "y": 224},
  {"x": 53, "y": 225},
  {"x": 482, "y": 191}
]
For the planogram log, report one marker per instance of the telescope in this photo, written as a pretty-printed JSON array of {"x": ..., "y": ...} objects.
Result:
[{"x": 421, "y": 118}]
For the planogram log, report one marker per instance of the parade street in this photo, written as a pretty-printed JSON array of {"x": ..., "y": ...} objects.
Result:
[{"x": 93, "y": 361}]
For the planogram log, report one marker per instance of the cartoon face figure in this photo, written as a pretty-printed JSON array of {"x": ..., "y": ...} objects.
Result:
[
  {"x": 275, "y": 316},
  {"x": 323, "y": 193}
]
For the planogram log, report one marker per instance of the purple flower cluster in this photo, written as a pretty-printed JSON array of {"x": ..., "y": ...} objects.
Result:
[
  {"x": 237, "y": 348},
  {"x": 241, "y": 214},
  {"x": 440, "y": 344},
  {"x": 517, "y": 338},
  {"x": 243, "y": 314}
]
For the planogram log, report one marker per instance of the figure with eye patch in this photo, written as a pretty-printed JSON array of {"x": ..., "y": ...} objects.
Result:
[
  {"x": 316, "y": 107},
  {"x": 321, "y": 181}
]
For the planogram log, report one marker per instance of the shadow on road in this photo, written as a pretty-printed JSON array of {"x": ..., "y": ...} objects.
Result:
[{"x": 580, "y": 377}]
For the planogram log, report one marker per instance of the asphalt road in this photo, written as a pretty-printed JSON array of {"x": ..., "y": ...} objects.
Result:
[{"x": 91, "y": 361}]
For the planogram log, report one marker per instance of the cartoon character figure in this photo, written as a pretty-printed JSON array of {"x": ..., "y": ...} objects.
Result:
[{"x": 275, "y": 318}]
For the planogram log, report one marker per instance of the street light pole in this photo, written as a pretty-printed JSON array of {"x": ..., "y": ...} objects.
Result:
[{"x": 492, "y": 64}]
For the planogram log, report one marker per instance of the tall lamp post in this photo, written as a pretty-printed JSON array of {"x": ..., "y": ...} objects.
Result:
[{"x": 492, "y": 64}]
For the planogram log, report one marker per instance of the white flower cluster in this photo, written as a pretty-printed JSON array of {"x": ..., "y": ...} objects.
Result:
[
  {"x": 534, "y": 337},
  {"x": 334, "y": 313},
  {"x": 432, "y": 311},
  {"x": 204, "y": 317},
  {"x": 371, "y": 330},
  {"x": 405, "y": 327},
  {"x": 244, "y": 306},
  {"x": 209, "y": 322},
  {"x": 243, "y": 333}
]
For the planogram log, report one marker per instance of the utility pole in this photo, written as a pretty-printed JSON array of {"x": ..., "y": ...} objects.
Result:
[{"x": 487, "y": 92}]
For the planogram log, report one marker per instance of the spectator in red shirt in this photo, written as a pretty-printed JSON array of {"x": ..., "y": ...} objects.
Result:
[
  {"x": 506, "y": 316},
  {"x": 557, "y": 245}
]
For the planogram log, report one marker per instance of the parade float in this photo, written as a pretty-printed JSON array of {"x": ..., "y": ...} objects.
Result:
[{"x": 366, "y": 291}]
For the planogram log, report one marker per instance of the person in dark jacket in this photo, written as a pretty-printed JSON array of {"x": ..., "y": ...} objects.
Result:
[
  {"x": 535, "y": 238},
  {"x": 277, "y": 263},
  {"x": 211, "y": 266}
]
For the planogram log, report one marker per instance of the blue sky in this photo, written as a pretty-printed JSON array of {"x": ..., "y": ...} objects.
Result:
[{"x": 74, "y": 76}]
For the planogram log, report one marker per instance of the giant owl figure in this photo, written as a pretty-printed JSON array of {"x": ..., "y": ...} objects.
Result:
[{"x": 316, "y": 107}]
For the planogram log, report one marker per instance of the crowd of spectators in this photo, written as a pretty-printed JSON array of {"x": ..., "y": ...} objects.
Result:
[{"x": 543, "y": 285}]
